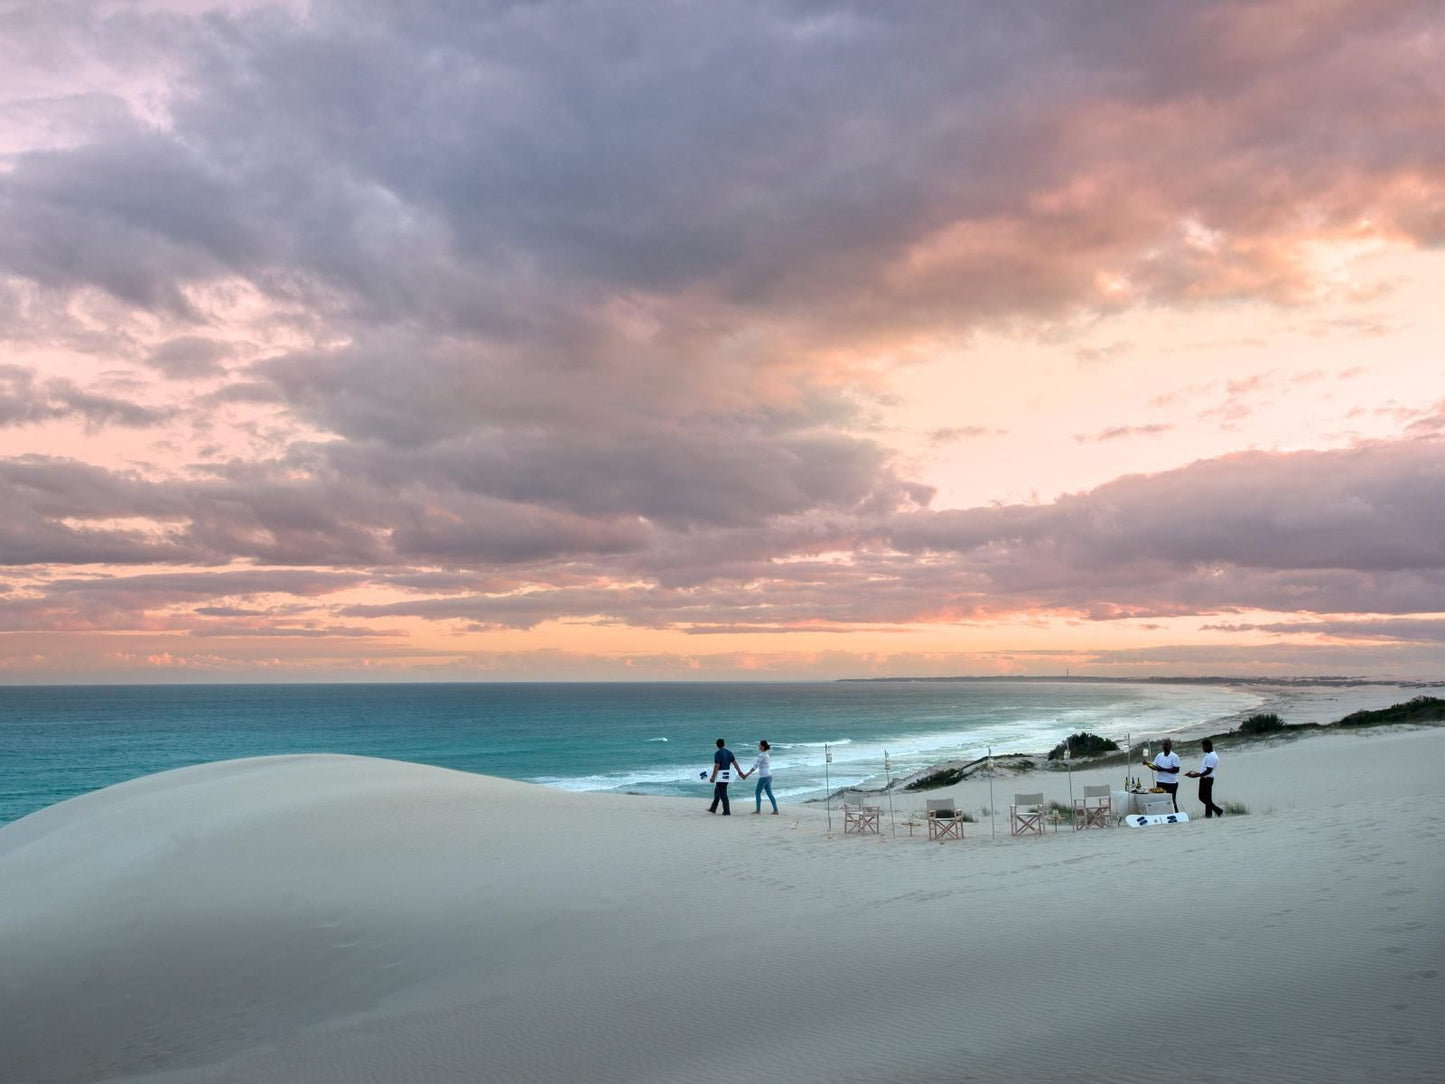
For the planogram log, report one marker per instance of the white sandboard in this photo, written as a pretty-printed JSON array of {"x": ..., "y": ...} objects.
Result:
[
  {"x": 1143, "y": 820},
  {"x": 724, "y": 776}
]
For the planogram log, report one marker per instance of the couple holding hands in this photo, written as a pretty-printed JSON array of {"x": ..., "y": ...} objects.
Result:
[{"x": 723, "y": 764}]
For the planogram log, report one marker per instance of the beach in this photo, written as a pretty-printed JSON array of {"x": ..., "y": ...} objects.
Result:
[{"x": 326, "y": 918}]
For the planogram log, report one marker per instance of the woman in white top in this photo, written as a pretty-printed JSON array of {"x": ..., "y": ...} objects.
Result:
[{"x": 764, "y": 768}]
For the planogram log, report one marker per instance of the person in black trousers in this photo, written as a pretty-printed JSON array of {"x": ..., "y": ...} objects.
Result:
[
  {"x": 723, "y": 765},
  {"x": 1166, "y": 767},
  {"x": 1205, "y": 775}
]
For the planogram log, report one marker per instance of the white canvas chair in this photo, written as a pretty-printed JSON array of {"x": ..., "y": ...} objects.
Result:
[
  {"x": 862, "y": 819},
  {"x": 1095, "y": 809},
  {"x": 945, "y": 819},
  {"x": 1027, "y": 814}
]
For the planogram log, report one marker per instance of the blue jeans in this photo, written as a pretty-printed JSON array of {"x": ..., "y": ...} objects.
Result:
[{"x": 765, "y": 783}]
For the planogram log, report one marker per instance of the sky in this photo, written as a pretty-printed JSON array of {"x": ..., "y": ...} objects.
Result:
[{"x": 631, "y": 340}]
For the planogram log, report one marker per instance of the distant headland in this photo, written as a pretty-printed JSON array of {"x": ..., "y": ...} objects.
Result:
[{"x": 1216, "y": 679}]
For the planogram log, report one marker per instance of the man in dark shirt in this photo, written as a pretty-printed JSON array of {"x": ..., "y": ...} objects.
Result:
[{"x": 723, "y": 766}]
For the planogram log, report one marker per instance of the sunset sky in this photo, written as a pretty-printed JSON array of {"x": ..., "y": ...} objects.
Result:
[{"x": 671, "y": 340}]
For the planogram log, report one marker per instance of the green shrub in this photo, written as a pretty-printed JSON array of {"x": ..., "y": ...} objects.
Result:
[
  {"x": 1263, "y": 723},
  {"x": 1236, "y": 809},
  {"x": 1422, "y": 709},
  {"x": 1083, "y": 744}
]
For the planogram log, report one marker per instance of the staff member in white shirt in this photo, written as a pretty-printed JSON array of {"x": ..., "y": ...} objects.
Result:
[
  {"x": 1206, "y": 774},
  {"x": 1166, "y": 771}
]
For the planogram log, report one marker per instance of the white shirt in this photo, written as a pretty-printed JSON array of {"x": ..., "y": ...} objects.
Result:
[
  {"x": 1168, "y": 765},
  {"x": 764, "y": 764},
  {"x": 1211, "y": 760}
]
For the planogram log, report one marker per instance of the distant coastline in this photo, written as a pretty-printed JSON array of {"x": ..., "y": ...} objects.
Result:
[{"x": 1327, "y": 680}]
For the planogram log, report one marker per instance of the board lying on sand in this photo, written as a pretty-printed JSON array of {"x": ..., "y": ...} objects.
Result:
[{"x": 1143, "y": 820}]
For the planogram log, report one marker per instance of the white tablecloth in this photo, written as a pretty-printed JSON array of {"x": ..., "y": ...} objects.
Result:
[{"x": 1126, "y": 802}]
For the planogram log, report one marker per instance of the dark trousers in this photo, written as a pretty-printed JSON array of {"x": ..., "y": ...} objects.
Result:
[
  {"x": 1206, "y": 795},
  {"x": 720, "y": 794},
  {"x": 1172, "y": 789}
]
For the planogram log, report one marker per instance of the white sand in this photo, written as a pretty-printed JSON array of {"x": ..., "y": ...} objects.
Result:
[
  {"x": 1297, "y": 704},
  {"x": 337, "y": 919}
]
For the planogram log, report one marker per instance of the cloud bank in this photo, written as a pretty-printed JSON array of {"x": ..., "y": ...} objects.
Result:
[{"x": 545, "y": 313}]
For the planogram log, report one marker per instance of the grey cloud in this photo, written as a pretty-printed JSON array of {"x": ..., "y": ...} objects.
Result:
[
  {"x": 24, "y": 400},
  {"x": 1375, "y": 508},
  {"x": 442, "y": 583},
  {"x": 1100, "y": 355},
  {"x": 309, "y": 632},
  {"x": 189, "y": 357},
  {"x": 1299, "y": 532},
  {"x": 290, "y": 513},
  {"x": 138, "y": 216},
  {"x": 243, "y": 391},
  {"x": 146, "y": 601},
  {"x": 585, "y": 254},
  {"x": 951, "y": 434},
  {"x": 1418, "y": 630},
  {"x": 40, "y": 493},
  {"x": 1431, "y": 425},
  {"x": 1121, "y": 432},
  {"x": 452, "y": 162},
  {"x": 673, "y": 478},
  {"x": 184, "y": 586}
]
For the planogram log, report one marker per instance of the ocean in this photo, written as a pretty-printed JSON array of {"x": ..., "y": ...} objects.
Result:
[{"x": 60, "y": 741}]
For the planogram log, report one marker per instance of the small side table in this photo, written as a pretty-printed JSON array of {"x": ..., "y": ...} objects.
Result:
[{"x": 912, "y": 825}]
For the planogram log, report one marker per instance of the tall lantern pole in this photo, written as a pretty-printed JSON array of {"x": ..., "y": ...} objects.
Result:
[
  {"x": 992, "y": 831},
  {"x": 1070, "y": 770},
  {"x": 888, "y": 775},
  {"x": 827, "y": 785}
]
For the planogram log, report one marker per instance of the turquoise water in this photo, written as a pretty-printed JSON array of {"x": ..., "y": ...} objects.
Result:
[{"x": 60, "y": 741}]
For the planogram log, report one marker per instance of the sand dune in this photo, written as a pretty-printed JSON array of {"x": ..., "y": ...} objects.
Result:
[{"x": 345, "y": 919}]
